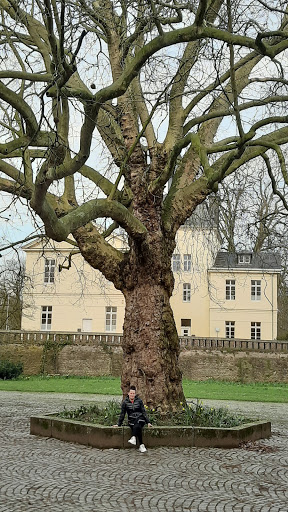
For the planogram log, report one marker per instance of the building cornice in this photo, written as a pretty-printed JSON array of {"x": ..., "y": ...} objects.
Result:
[{"x": 245, "y": 270}]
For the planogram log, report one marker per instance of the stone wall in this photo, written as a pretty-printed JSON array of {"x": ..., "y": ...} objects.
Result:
[
  {"x": 236, "y": 365},
  {"x": 98, "y": 354}
]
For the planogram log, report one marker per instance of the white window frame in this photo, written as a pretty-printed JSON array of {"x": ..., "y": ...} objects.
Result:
[
  {"x": 49, "y": 270},
  {"x": 255, "y": 330},
  {"x": 110, "y": 318},
  {"x": 187, "y": 263},
  {"x": 186, "y": 292},
  {"x": 46, "y": 318},
  {"x": 244, "y": 258},
  {"x": 230, "y": 291},
  {"x": 256, "y": 289},
  {"x": 176, "y": 262},
  {"x": 230, "y": 330},
  {"x": 185, "y": 327}
]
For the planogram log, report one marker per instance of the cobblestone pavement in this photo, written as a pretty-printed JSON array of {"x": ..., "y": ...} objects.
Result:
[{"x": 38, "y": 473}]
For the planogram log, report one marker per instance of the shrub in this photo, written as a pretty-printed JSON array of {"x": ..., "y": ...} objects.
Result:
[
  {"x": 197, "y": 414},
  {"x": 10, "y": 370},
  {"x": 95, "y": 414},
  {"x": 193, "y": 414}
]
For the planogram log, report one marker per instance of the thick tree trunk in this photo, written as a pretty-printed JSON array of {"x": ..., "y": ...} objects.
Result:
[
  {"x": 151, "y": 346},
  {"x": 150, "y": 339}
]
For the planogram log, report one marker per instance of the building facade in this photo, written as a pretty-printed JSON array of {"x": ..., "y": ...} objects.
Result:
[
  {"x": 216, "y": 294},
  {"x": 243, "y": 296}
]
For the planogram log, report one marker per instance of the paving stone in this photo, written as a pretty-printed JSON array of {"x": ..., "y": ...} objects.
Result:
[{"x": 46, "y": 474}]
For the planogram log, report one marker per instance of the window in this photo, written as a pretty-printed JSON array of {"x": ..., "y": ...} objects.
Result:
[
  {"x": 255, "y": 330},
  {"x": 244, "y": 258},
  {"x": 46, "y": 318},
  {"x": 230, "y": 329},
  {"x": 49, "y": 273},
  {"x": 256, "y": 290},
  {"x": 187, "y": 262},
  {"x": 230, "y": 289},
  {"x": 111, "y": 317},
  {"x": 186, "y": 292},
  {"x": 176, "y": 262},
  {"x": 185, "y": 326}
]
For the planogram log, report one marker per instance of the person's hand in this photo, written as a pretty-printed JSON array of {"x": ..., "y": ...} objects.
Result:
[
  {"x": 150, "y": 425},
  {"x": 114, "y": 426}
]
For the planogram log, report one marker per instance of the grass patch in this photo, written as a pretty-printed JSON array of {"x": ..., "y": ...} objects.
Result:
[
  {"x": 64, "y": 384},
  {"x": 192, "y": 414},
  {"x": 213, "y": 390},
  {"x": 222, "y": 390}
]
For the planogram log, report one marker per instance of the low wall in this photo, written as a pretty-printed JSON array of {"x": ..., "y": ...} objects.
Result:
[
  {"x": 102, "y": 437},
  {"x": 97, "y": 355}
]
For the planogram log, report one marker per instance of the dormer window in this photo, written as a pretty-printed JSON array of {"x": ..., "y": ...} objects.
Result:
[{"x": 244, "y": 259}]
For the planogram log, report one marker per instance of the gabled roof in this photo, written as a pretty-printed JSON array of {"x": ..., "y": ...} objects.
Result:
[
  {"x": 42, "y": 244},
  {"x": 47, "y": 244},
  {"x": 259, "y": 261}
]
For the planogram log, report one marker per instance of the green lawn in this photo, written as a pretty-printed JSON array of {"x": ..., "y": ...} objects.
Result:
[
  {"x": 214, "y": 390},
  {"x": 219, "y": 390}
]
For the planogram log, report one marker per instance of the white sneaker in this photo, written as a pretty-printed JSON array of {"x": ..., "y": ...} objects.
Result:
[
  {"x": 142, "y": 448},
  {"x": 132, "y": 440}
]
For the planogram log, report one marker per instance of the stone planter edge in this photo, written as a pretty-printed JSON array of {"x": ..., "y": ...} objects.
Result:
[{"x": 99, "y": 436}]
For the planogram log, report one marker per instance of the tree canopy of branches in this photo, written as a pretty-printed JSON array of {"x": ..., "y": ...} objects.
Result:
[
  {"x": 251, "y": 216},
  {"x": 134, "y": 111}
]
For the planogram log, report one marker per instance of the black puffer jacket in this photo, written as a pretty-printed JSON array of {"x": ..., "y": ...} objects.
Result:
[{"x": 135, "y": 411}]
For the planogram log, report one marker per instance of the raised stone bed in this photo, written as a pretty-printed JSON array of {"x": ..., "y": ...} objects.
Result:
[{"x": 102, "y": 437}]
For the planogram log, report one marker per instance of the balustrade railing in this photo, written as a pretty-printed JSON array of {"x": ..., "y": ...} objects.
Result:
[{"x": 186, "y": 343}]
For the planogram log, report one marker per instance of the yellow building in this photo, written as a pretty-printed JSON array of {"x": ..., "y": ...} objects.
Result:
[
  {"x": 66, "y": 294},
  {"x": 195, "y": 252},
  {"x": 243, "y": 295},
  {"x": 216, "y": 294}
]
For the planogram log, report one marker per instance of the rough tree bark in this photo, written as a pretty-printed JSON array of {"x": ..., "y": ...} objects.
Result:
[{"x": 150, "y": 339}]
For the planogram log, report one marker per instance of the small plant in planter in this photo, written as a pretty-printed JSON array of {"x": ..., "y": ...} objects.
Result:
[{"x": 192, "y": 414}]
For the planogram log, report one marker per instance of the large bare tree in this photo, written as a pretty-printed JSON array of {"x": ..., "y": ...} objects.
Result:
[
  {"x": 146, "y": 106},
  {"x": 12, "y": 281},
  {"x": 251, "y": 216}
]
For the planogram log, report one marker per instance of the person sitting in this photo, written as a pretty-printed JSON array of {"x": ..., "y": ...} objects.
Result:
[{"x": 137, "y": 417}]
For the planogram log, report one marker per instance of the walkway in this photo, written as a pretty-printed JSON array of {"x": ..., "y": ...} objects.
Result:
[{"x": 46, "y": 474}]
